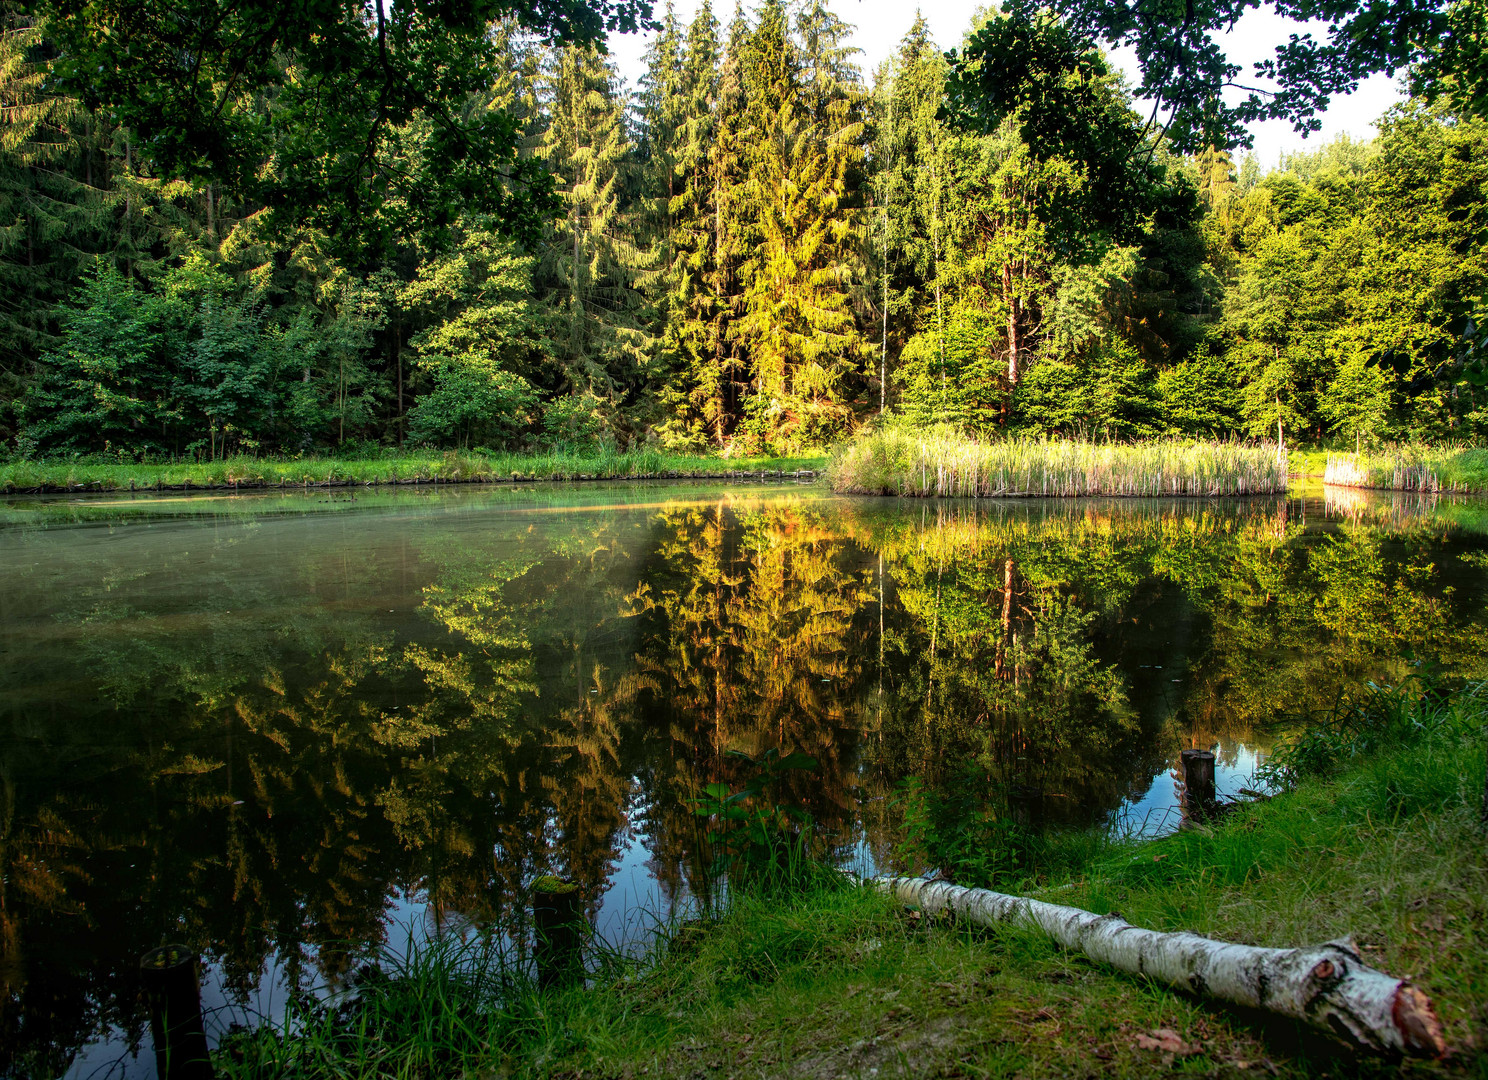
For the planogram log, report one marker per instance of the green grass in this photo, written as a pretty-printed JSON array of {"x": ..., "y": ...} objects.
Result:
[
  {"x": 95, "y": 474},
  {"x": 1308, "y": 462},
  {"x": 1379, "y": 836},
  {"x": 942, "y": 462},
  {"x": 1411, "y": 468}
]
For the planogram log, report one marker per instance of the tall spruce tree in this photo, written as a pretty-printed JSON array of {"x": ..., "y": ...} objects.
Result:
[
  {"x": 727, "y": 379},
  {"x": 694, "y": 397},
  {"x": 589, "y": 264},
  {"x": 805, "y": 142},
  {"x": 55, "y": 207},
  {"x": 908, "y": 171}
]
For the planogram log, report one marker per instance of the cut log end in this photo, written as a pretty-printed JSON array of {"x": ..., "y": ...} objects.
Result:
[{"x": 1418, "y": 1023}]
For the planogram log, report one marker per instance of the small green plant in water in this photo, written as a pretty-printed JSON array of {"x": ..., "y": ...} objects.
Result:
[{"x": 758, "y": 839}]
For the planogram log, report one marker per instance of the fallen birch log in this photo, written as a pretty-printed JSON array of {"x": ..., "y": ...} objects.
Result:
[{"x": 1327, "y": 986}]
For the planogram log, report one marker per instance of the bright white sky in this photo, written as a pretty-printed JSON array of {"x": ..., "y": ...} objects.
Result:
[{"x": 882, "y": 24}]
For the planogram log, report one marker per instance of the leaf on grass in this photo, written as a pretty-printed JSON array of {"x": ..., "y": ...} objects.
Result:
[{"x": 1167, "y": 1041}]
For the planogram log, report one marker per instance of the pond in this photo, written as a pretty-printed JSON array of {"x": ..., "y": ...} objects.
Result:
[{"x": 276, "y": 726}]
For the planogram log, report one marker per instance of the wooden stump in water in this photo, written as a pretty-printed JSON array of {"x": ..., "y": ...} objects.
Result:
[
  {"x": 173, "y": 992},
  {"x": 1198, "y": 783},
  {"x": 558, "y": 919}
]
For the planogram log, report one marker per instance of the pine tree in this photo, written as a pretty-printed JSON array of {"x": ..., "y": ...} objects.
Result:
[
  {"x": 588, "y": 266},
  {"x": 908, "y": 176},
  {"x": 695, "y": 395},
  {"x": 797, "y": 325},
  {"x": 55, "y": 209}
]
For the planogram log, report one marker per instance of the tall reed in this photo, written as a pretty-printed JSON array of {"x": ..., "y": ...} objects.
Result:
[
  {"x": 942, "y": 462},
  {"x": 1411, "y": 468}
]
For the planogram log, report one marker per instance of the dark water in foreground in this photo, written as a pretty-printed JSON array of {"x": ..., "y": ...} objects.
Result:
[{"x": 261, "y": 725}]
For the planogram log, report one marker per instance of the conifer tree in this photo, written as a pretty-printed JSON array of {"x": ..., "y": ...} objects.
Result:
[
  {"x": 695, "y": 396},
  {"x": 726, "y": 380},
  {"x": 589, "y": 265},
  {"x": 908, "y": 175},
  {"x": 55, "y": 209},
  {"x": 660, "y": 107},
  {"x": 797, "y": 326}
]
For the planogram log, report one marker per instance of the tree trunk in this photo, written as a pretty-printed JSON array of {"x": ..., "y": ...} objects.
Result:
[
  {"x": 1328, "y": 987},
  {"x": 883, "y": 369},
  {"x": 1014, "y": 327}
]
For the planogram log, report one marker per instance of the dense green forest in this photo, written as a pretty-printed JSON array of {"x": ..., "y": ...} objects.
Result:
[{"x": 759, "y": 249}]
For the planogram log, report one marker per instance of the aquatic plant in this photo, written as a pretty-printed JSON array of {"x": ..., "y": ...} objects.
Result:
[
  {"x": 944, "y": 462},
  {"x": 1411, "y": 468}
]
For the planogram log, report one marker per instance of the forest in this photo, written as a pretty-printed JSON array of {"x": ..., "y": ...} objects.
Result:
[{"x": 759, "y": 249}]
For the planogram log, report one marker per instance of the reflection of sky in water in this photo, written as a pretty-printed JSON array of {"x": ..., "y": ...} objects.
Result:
[
  {"x": 1158, "y": 810},
  {"x": 631, "y": 908}
]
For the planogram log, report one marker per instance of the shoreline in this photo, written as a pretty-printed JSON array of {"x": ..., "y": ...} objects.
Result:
[
  {"x": 831, "y": 979},
  {"x": 96, "y": 487}
]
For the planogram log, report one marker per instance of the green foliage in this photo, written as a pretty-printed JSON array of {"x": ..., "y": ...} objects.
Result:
[
  {"x": 802, "y": 126},
  {"x": 951, "y": 376},
  {"x": 1197, "y": 395},
  {"x": 1419, "y": 709},
  {"x": 1185, "y": 71},
  {"x": 367, "y": 109},
  {"x": 758, "y": 840},
  {"x": 1110, "y": 396},
  {"x": 477, "y": 244},
  {"x": 1025, "y": 68},
  {"x": 430, "y": 1008},
  {"x": 588, "y": 267},
  {"x": 963, "y": 831},
  {"x": 485, "y": 336},
  {"x": 191, "y": 364}
]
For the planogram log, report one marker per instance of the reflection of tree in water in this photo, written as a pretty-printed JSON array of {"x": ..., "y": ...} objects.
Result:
[
  {"x": 992, "y": 661},
  {"x": 563, "y": 687},
  {"x": 756, "y": 618}
]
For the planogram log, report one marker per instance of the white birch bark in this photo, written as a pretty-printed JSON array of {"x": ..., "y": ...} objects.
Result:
[{"x": 1327, "y": 986}]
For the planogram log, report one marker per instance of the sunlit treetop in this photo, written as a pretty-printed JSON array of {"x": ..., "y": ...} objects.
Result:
[{"x": 330, "y": 111}]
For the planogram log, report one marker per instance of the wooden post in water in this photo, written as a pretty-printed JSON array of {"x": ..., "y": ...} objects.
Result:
[
  {"x": 557, "y": 918},
  {"x": 173, "y": 992},
  {"x": 1198, "y": 783}
]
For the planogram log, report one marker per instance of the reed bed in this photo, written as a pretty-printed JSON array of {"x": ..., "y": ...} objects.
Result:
[
  {"x": 1411, "y": 468},
  {"x": 942, "y": 463},
  {"x": 412, "y": 467}
]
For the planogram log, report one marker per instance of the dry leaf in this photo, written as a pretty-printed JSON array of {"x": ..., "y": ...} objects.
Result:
[{"x": 1167, "y": 1041}]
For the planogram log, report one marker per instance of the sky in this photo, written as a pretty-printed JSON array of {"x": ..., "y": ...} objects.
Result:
[{"x": 882, "y": 24}]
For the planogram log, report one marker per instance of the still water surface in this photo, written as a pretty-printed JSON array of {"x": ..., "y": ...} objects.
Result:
[{"x": 263, "y": 725}]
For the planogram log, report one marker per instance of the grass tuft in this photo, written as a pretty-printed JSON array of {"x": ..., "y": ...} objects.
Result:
[{"x": 943, "y": 462}]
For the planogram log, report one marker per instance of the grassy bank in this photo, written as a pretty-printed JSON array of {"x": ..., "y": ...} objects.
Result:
[
  {"x": 392, "y": 468},
  {"x": 1411, "y": 469},
  {"x": 1379, "y": 836},
  {"x": 945, "y": 463}
]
